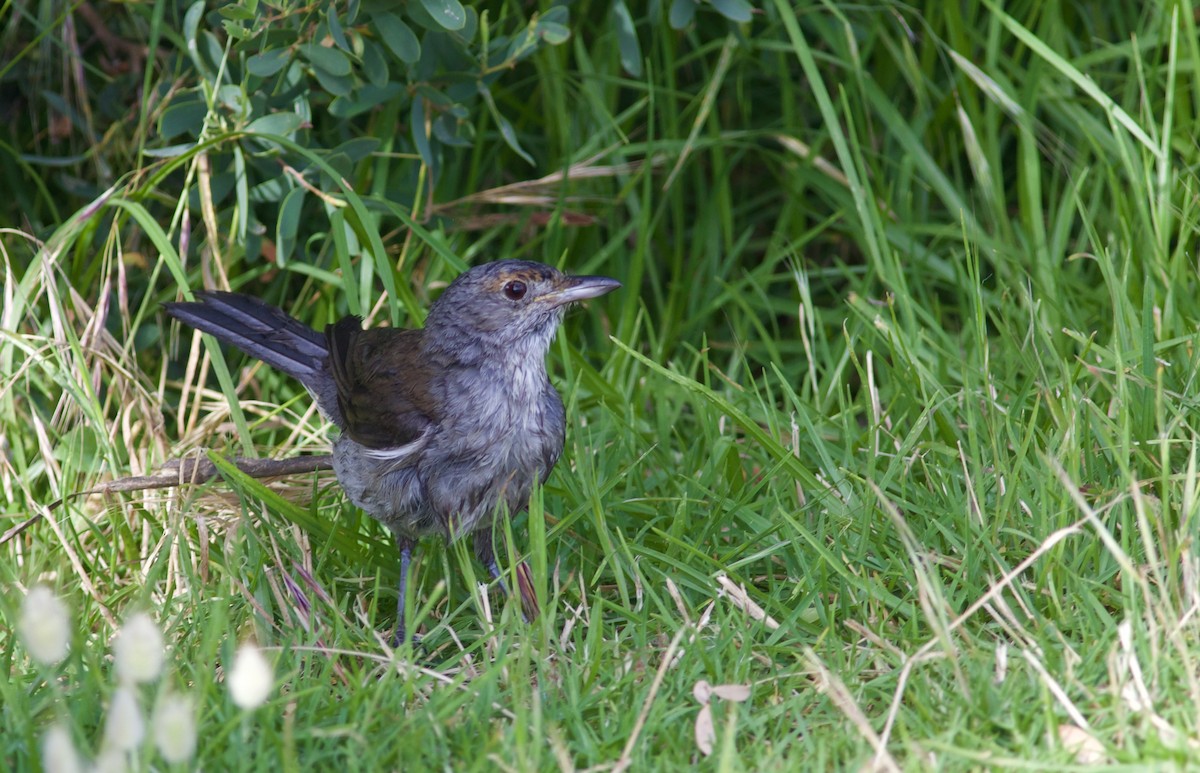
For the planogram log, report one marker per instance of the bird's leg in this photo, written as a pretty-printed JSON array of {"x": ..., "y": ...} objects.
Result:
[
  {"x": 529, "y": 602},
  {"x": 486, "y": 554},
  {"x": 406, "y": 546}
]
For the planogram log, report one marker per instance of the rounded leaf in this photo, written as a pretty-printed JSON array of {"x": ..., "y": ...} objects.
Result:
[
  {"x": 335, "y": 30},
  {"x": 338, "y": 85},
  {"x": 268, "y": 63},
  {"x": 398, "y": 37},
  {"x": 282, "y": 124},
  {"x": 681, "y": 14},
  {"x": 738, "y": 11},
  {"x": 366, "y": 98},
  {"x": 446, "y": 129},
  {"x": 184, "y": 117},
  {"x": 553, "y": 32},
  {"x": 374, "y": 66},
  {"x": 450, "y": 14},
  {"x": 359, "y": 148},
  {"x": 627, "y": 40},
  {"x": 329, "y": 60}
]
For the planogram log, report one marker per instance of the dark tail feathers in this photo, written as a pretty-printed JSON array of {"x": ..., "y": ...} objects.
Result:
[{"x": 268, "y": 333}]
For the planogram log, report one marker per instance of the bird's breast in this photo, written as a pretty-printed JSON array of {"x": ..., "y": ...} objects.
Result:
[
  {"x": 498, "y": 431},
  {"x": 498, "y": 415}
]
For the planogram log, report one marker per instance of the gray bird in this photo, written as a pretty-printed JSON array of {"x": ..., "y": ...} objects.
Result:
[{"x": 440, "y": 425}]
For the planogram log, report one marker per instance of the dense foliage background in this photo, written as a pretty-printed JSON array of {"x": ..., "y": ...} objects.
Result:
[{"x": 890, "y": 425}]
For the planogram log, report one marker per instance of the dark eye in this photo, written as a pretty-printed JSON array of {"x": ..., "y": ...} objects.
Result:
[{"x": 515, "y": 290}]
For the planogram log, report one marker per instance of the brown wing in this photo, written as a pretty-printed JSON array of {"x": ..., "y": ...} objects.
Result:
[{"x": 384, "y": 400}]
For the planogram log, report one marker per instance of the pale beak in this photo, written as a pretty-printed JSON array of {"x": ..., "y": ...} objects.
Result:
[{"x": 579, "y": 288}]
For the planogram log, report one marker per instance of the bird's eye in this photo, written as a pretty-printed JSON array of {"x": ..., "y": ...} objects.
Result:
[{"x": 515, "y": 290}]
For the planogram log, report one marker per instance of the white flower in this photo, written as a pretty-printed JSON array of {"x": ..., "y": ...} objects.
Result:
[
  {"x": 58, "y": 752},
  {"x": 124, "y": 728},
  {"x": 45, "y": 625},
  {"x": 174, "y": 724},
  {"x": 251, "y": 678},
  {"x": 138, "y": 650},
  {"x": 111, "y": 761}
]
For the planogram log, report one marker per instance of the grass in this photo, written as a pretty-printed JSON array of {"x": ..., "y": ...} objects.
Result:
[{"x": 891, "y": 424}]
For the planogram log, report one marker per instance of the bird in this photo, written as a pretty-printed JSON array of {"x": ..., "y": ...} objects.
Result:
[{"x": 440, "y": 427}]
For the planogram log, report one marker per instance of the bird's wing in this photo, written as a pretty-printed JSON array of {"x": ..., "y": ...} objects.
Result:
[{"x": 384, "y": 400}]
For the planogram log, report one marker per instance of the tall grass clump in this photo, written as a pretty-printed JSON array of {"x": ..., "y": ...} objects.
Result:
[{"x": 883, "y": 457}]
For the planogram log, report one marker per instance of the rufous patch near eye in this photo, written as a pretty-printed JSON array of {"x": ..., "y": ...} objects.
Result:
[{"x": 528, "y": 276}]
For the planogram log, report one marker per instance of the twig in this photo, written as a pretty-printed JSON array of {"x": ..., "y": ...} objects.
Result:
[
  {"x": 827, "y": 682},
  {"x": 626, "y": 758},
  {"x": 179, "y": 472}
]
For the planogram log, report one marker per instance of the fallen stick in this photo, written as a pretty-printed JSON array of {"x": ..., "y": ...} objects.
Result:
[{"x": 179, "y": 472}]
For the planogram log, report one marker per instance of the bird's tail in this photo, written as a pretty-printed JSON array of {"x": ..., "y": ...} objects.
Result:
[{"x": 265, "y": 332}]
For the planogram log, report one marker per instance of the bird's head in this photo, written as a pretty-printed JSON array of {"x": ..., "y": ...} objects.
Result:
[{"x": 510, "y": 304}]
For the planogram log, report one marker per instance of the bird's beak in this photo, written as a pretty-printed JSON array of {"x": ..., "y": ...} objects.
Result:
[{"x": 579, "y": 288}]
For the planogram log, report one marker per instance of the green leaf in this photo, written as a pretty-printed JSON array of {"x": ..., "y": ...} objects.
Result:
[
  {"x": 398, "y": 37},
  {"x": 272, "y": 190},
  {"x": 738, "y": 11},
  {"x": 338, "y": 85},
  {"x": 374, "y": 66},
  {"x": 450, "y": 14},
  {"x": 342, "y": 236},
  {"x": 183, "y": 118},
  {"x": 627, "y": 40},
  {"x": 439, "y": 98},
  {"x": 559, "y": 14},
  {"x": 191, "y": 22},
  {"x": 236, "y": 100},
  {"x": 471, "y": 28},
  {"x": 330, "y": 60},
  {"x": 335, "y": 30},
  {"x": 275, "y": 123},
  {"x": 553, "y": 32},
  {"x": 235, "y": 30},
  {"x": 510, "y": 138},
  {"x": 506, "y": 129},
  {"x": 366, "y": 98},
  {"x": 268, "y": 63},
  {"x": 241, "y": 190},
  {"x": 446, "y": 129},
  {"x": 170, "y": 151},
  {"x": 420, "y": 138},
  {"x": 358, "y": 149},
  {"x": 681, "y": 14},
  {"x": 236, "y": 12},
  {"x": 288, "y": 225},
  {"x": 209, "y": 54}
]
